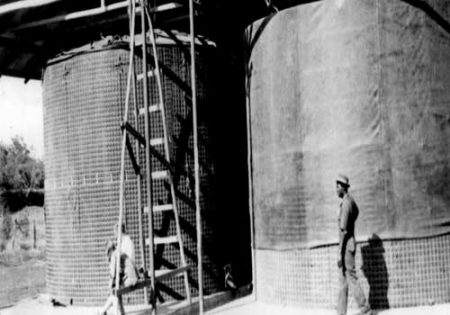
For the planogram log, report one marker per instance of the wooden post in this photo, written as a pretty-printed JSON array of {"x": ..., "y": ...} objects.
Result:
[
  {"x": 250, "y": 185},
  {"x": 196, "y": 164},
  {"x": 122, "y": 161}
]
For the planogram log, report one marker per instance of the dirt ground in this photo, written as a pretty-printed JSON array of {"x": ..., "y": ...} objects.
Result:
[
  {"x": 243, "y": 306},
  {"x": 19, "y": 282},
  {"x": 248, "y": 306},
  {"x": 22, "y": 282},
  {"x": 22, "y": 256}
]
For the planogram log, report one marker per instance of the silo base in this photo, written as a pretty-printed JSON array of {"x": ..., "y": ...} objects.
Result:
[{"x": 400, "y": 273}]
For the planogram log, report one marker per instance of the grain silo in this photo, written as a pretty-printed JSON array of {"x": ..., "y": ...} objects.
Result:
[
  {"x": 84, "y": 96},
  {"x": 359, "y": 87}
]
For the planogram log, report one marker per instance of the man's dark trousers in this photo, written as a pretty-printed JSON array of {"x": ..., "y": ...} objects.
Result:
[{"x": 348, "y": 278}]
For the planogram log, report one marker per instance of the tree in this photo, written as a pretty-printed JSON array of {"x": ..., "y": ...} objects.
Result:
[{"x": 21, "y": 175}]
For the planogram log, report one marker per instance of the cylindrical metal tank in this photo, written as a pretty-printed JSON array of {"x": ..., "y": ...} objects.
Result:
[
  {"x": 84, "y": 96},
  {"x": 358, "y": 87}
]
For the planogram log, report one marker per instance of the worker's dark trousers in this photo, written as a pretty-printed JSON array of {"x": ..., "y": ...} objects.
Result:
[{"x": 349, "y": 279}]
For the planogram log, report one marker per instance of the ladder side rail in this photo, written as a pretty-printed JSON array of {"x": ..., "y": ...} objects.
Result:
[
  {"x": 167, "y": 154},
  {"x": 139, "y": 183},
  {"x": 142, "y": 4}
]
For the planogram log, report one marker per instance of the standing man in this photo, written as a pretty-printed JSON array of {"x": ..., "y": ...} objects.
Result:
[{"x": 348, "y": 213}]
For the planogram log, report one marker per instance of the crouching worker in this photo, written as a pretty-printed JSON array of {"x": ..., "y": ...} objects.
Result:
[{"x": 128, "y": 277}]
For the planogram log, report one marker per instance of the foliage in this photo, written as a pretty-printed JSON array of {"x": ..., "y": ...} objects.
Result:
[
  {"x": 18, "y": 169},
  {"x": 21, "y": 177}
]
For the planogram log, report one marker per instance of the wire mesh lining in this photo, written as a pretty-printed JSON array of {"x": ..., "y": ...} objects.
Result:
[
  {"x": 360, "y": 98},
  {"x": 83, "y": 107},
  {"x": 392, "y": 274}
]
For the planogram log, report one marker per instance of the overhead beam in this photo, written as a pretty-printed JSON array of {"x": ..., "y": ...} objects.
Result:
[
  {"x": 95, "y": 12},
  {"x": 25, "y": 4}
]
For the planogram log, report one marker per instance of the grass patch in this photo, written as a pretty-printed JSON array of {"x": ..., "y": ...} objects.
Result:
[{"x": 22, "y": 255}]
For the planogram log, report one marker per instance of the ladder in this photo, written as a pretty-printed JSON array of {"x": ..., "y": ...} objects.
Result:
[{"x": 153, "y": 147}]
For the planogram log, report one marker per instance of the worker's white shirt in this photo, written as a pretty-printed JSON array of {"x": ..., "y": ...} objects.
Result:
[{"x": 127, "y": 247}]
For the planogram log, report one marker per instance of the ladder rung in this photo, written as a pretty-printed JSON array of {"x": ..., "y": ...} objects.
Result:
[
  {"x": 167, "y": 273},
  {"x": 160, "y": 208},
  {"x": 166, "y": 240},
  {"x": 163, "y": 207},
  {"x": 160, "y": 174},
  {"x": 164, "y": 272},
  {"x": 163, "y": 240},
  {"x": 167, "y": 6},
  {"x": 156, "y": 141},
  {"x": 151, "y": 109},
  {"x": 160, "y": 275},
  {"x": 150, "y": 74}
]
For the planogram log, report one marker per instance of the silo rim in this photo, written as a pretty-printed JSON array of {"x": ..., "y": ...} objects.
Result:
[{"x": 116, "y": 42}]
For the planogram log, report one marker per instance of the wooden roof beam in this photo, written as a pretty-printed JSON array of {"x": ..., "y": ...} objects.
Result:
[
  {"x": 94, "y": 12},
  {"x": 24, "y": 4}
]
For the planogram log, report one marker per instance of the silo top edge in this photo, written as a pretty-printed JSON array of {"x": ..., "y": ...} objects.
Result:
[{"x": 162, "y": 38}]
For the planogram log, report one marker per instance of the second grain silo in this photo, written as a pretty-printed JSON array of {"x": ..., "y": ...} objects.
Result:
[{"x": 358, "y": 87}]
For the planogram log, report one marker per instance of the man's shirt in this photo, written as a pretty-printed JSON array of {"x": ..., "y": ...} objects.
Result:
[
  {"x": 127, "y": 247},
  {"x": 128, "y": 274},
  {"x": 348, "y": 213}
]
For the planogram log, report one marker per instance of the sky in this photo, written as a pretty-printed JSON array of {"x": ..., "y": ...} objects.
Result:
[{"x": 21, "y": 113}]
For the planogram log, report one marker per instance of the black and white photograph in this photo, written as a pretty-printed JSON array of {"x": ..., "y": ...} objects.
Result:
[{"x": 224, "y": 157}]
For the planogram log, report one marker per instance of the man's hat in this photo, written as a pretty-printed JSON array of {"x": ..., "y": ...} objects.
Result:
[{"x": 342, "y": 179}]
